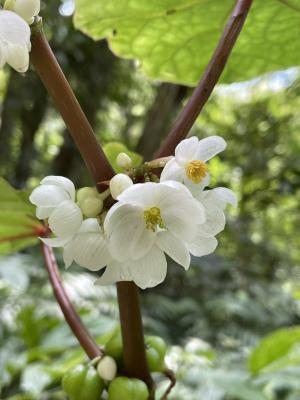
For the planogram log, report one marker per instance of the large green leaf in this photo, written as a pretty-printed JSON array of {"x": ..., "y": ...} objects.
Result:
[
  {"x": 18, "y": 225},
  {"x": 174, "y": 39},
  {"x": 277, "y": 350}
]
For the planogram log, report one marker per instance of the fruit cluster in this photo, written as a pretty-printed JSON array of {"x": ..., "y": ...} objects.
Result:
[{"x": 88, "y": 382}]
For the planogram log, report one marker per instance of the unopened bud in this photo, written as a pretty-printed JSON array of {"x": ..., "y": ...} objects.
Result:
[
  {"x": 27, "y": 9},
  {"x": 85, "y": 193},
  {"x": 118, "y": 184},
  {"x": 107, "y": 368},
  {"x": 91, "y": 207},
  {"x": 124, "y": 161}
]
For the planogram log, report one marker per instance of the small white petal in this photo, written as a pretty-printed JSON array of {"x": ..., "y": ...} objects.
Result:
[
  {"x": 3, "y": 54},
  {"x": 18, "y": 57},
  {"x": 48, "y": 196},
  {"x": 27, "y": 9},
  {"x": 90, "y": 225},
  {"x": 115, "y": 272},
  {"x": 150, "y": 270},
  {"x": 90, "y": 250},
  {"x": 68, "y": 254},
  {"x": 175, "y": 248},
  {"x": 144, "y": 244},
  {"x": 195, "y": 188},
  {"x": 209, "y": 147},
  {"x": 44, "y": 212},
  {"x": 172, "y": 172},
  {"x": 220, "y": 197},
  {"x": 123, "y": 226},
  {"x": 65, "y": 219},
  {"x": 202, "y": 244},
  {"x": 62, "y": 182},
  {"x": 186, "y": 150},
  {"x": 142, "y": 195},
  {"x": 56, "y": 242}
]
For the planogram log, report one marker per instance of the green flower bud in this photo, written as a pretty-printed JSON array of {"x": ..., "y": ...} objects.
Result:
[
  {"x": 83, "y": 383},
  {"x": 123, "y": 388},
  {"x": 156, "y": 349},
  {"x": 91, "y": 207},
  {"x": 124, "y": 161}
]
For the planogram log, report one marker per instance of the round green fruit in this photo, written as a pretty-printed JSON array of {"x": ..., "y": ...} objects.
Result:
[
  {"x": 156, "y": 349},
  {"x": 83, "y": 383},
  {"x": 123, "y": 388},
  {"x": 114, "y": 346}
]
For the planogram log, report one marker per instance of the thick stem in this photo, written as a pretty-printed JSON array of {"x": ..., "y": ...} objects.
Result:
[
  {"x": 131, "y": 320},
  {"x": 53, "y": 78},
  {"x": 201, "y": 94},
  {"x": 58, "y": 87},
  {"x": 78, "y": 328}
]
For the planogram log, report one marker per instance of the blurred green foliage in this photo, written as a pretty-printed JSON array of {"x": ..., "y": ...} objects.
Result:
[{"x": 215, "y": 315}]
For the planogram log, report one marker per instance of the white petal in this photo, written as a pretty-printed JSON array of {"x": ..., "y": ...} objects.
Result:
[
  {"x": 27, "y": 9},
  {"x": 215, "y": 220},
  {"x": 90, "y": 250},
  {"x": 68, "y": 254},
  {"x": 144, "y": 244},
  {"x": 195, "y": 188},
  {"x": 202, "y": 244},
  {"x": 18, "y": 57},
  {"x": 62, "y": 182},
  {"x": 186, "y": 150},
  {"x": 90, "y": 225},
  {"x": 209, "y": 147},
  {"x": 65, "y": 219},
  {"x": 3, "y": 54},
  {"x": 44, "y": 212},
  {"x": 123, "y": 226},
  {"x": 172, "y": 172},
  {"x": 13, "y": 29},
  {"x": 175, "y": 248},
  {"x": 56, "y": 242},
  {"x": 220, "y": 197},
  {"x": 142, "y": 195},
  {"x": 150, "y": 270},
  {"x": 48, "y": 196},
  {"x": 114, "y": 272}
]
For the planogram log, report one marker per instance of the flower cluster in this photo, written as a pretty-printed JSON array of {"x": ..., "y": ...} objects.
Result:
[
  {"x": 174, "y": 216},
  {"x": 15, "y": 44}
]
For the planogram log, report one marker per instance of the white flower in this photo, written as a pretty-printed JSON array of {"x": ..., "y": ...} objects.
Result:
[
  {"x": 149, "y": 220},
  {"x": 189, "y": 164},
  {"x": 27, "y": 9},
  {"x": 214, "y": 202},
  {"x": 14, "y": 41},
  {"x": 88, "y": 248},
  {"x": 118, "y": 184},
  {"x": 55, "y": 200}
]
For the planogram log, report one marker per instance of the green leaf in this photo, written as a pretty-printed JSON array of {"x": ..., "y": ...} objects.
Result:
[
  {"x": 112, "y": 150},
  {"x": 18, "y": 224},
  {"x": 277, "y": 350},
  {"x": 174, "y": 39}
]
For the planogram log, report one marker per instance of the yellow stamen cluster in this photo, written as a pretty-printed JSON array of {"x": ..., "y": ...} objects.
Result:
[
  {"x": 153, "y": 219},
  {"x": 196, "y": 170}
]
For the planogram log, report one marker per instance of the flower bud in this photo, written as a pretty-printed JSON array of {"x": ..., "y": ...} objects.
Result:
[
  {"x": 107, "y": 368},
  {"x": 27, "y": 9},
  {"x": 124, "y": 161},
  {"x": 85, "y": 193},
  {"x": 91, "y": 207},
  {"x": 118, "y": 184}
]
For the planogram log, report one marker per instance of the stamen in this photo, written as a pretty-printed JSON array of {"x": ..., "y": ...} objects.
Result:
[
  {"x": 196, "y": 170},
  {"x": 153, "y": 219}
]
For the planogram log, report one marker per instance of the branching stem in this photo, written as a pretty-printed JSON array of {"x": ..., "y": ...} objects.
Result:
[{"x": 201, "y": 94}]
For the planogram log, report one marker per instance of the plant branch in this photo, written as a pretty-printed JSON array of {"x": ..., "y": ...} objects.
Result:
[
  {"x": 77, "y": 326},
  {"x": 53, "y": 78},
  {"x": 58, "y": 87},
  {"x": 201, "y": 94},
  {"x": 169, "y": 374}
]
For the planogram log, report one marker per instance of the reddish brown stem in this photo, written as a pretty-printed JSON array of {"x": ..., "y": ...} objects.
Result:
[
  {"x": 78, "y": 328},
  {"x": 53, "y": 78},
  {"x": 169, "y": 374},
  {"x": 201, "y": 94},
  {"x": 58, "y": 87}
]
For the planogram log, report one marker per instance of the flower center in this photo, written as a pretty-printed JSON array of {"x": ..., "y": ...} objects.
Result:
[
  {"x": 153, "y": 219},
  {"x": 196, "y": 170}
]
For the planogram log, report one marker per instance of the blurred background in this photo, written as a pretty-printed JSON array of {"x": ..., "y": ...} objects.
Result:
[{"x": 214, "y": 315}]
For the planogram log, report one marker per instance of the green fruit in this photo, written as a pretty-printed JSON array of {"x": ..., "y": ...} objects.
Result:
[
  {"x": 83, "y": 383},
  {"x": 156, "y": 349},
  {"x": 114, "y": 346},
  {"x": 127, "y": 389}
]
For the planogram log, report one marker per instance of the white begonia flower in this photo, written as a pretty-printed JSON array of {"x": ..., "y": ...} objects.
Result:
[
  {"x": 27, "y": 9},
  {"x": 14, "y": 41},
  {"x": 118, "y": 184},
  {"x": 189, "y": 164},
  {"x": 88, "y": 248},
  {"x": 214, "y": 202},
  {"x": 149, "y": 220},
  {"x": 55, "y": 200}
]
